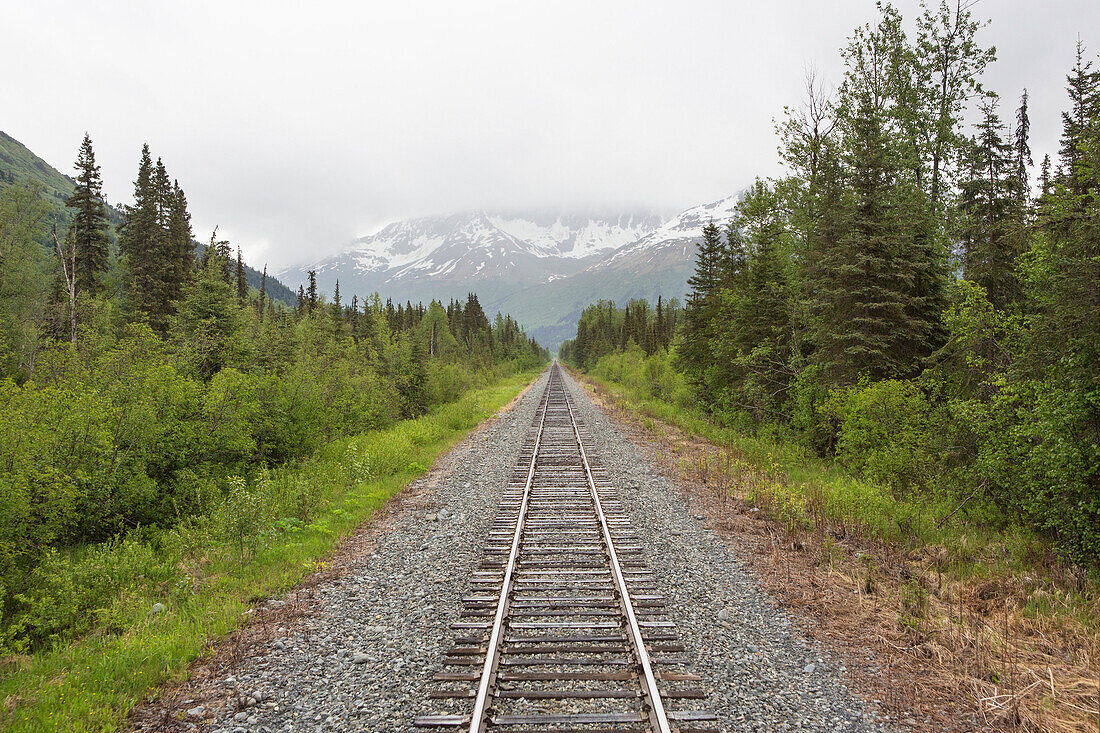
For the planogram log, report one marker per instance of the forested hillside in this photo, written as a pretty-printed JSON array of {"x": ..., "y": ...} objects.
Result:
[
  {"x": 153, "y": 393},
  {"x": 20, "y": 165},
  {"x": 916, "y": 299}
]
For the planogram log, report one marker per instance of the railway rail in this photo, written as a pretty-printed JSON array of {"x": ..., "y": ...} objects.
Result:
[{"x": 563, "y": 629}]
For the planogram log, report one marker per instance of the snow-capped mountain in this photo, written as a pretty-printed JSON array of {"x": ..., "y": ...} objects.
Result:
[
  {"x": 675, "y": 239},
  {"x": 542, "y": 267},
  {"x": 492, "y": 253}
]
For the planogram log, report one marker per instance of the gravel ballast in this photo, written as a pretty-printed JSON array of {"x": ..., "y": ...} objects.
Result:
[{"x": 364, "y": 659}]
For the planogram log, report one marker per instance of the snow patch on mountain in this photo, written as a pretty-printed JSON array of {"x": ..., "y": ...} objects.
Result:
[
  {"x": 576, "y": 237},
  {"x": 681, "y": 232}
]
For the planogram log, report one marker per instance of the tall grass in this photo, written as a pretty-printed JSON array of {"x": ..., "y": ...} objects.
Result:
[{"x": 208, "y": 571}]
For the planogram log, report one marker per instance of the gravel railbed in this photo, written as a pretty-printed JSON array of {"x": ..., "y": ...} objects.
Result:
[
  {"x": 365, "y": 661},
  {"x": 758, "y": 672}
]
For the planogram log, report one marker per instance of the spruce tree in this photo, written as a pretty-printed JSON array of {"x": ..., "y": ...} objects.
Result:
[
  {"x": 311, "y": 294},
  {"x": 179, "y": 270},
  {"x": 992, "y": 212},
  {"x": 694, "y": 355},
  {"x": 860, "y": 280},
  {"x": 263, "y": 293},
  {"x": 1022, "y": 146},
  {"x": 139, "y": 238},
  {"x": 241, "y": 281},
  {"x": 88, "y": 232},
  {"x": 1084, "y": 107},
  {"x": 1045, "y": 180}
]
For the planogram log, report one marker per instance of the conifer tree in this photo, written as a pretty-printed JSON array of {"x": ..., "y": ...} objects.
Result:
[
  {"x": 180, "y": 255},
  {"x": 861, "y": 281},
  {"x": 87, "y": 234},
  {"x": 1022, "y": 146},
  {"x": 1084, "y": 107},
  {"x": 1072, "y": 324},
  {"x": 242, "y": 283},
  {"x": 263, "y": 293},
  {"x": 693, "y": 356},
  {"x": 311, "y": 295},
  {"x": 992, "y": 212},
  {"x": 138, "y": 240}
]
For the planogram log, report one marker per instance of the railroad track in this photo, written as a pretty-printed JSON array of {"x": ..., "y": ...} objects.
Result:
[{"x": 564, "y": 629}]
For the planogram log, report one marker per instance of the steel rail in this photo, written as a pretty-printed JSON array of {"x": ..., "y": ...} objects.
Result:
[
  {"x": 488, "y": 671},
  {"x": 653, "y": 694}
]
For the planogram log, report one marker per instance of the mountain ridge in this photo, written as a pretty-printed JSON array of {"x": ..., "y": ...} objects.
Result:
[{"x": 542, "y": 267}]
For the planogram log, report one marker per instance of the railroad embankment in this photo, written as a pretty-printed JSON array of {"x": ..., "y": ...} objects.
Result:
[{"x": 970, "y": 627}]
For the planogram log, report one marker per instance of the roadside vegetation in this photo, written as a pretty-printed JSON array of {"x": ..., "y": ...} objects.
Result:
[
  {"x": 898, "y": 345},
  {"x": 176, "y": 446}
]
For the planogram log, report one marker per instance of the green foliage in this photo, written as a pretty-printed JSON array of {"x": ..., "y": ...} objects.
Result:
[
  {"x": 828, "y": 313},
  {"x": 887, "y": 434},
  {"x": 22, "y": 277},
  {"x": 181, "y": 390},
  {"x": 89, "y": 612}
]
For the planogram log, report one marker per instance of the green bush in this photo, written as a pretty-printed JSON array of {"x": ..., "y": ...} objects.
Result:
[{"x": 886, "y": 434}]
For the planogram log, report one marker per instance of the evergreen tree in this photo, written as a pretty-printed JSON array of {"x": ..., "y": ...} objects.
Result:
[
  {"x": 241, "y": 282},
  {"x": 156, "y": 243},
  {"x": 861, "y": 280},
  {"x": 311, "y": 301},
  {"x": 139, "y": 238},
  {"x": 1022, "y": 146},
  {"x": 180, "y": 266},
  {"x": 693, "y": 355},
  {"x": 1084, "y": 107},
  {"x": 88, "y": 232},
  {"x": 263, "y": 293},
  {"x": 992, "y": 212}
]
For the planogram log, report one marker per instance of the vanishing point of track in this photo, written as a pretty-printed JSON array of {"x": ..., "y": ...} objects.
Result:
[{"x": 564, "y": 630}]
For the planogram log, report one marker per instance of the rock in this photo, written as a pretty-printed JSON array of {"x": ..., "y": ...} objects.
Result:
[
  {"x": 279, "y": 644},
  {"x": 809, "y": 668},
  {"x": 157, "y": 608},
  {"x": 360, "y": 658},
  {"x": 196, "y": 712},
  {"x": 723, "y": 614}
]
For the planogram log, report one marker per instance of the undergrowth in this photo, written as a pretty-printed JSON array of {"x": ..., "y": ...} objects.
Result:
[
  {"x": 150, "y": 603},
  {"x": 1004, "y": 623}
]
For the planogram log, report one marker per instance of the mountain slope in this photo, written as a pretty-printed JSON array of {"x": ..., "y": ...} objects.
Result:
[
  {"x": 658, "y": 263},
  {"x": 541, "y": 267},
  {"x": 495, "y": 254}
]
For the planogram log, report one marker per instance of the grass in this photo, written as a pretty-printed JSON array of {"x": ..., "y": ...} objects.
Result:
[
  {"x": 208, "y": 573},
  {"x": 984, "y": 610}
]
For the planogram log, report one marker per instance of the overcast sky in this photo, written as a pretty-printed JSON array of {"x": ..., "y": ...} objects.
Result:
[{"x": 296, "y": 127}]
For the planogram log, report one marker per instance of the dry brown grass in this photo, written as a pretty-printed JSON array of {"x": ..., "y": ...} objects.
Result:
[{"x": 940, "y": 651}]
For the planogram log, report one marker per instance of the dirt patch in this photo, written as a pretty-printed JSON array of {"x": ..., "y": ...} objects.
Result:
[{"x": 946, "y": 657}]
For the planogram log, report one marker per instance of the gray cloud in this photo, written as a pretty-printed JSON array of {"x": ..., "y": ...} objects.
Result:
[{"x": 296, "y": 127}]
